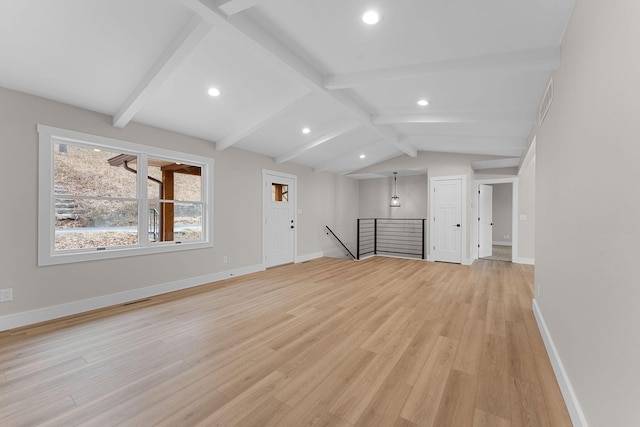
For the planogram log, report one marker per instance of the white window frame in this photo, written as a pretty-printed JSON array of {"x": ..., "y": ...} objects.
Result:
[{"x": 47, "y": 255}]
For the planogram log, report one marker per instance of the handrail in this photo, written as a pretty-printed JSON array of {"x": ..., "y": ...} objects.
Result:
[
  {"x": 340, "y": 241},
  {"x": 393, "y": 236}
]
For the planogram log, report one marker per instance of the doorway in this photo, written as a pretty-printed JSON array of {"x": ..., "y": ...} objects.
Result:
[
  {"x": 497, "y": 205},
  {"x": 278, "y": 225}
]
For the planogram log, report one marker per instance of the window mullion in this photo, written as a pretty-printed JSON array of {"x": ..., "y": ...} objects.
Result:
[
  {"x": 143, "y": 201},
  {"x": 51, "y": 213}
]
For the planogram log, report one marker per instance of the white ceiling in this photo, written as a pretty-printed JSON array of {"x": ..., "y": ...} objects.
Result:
[{"x": 282, "y": 65}]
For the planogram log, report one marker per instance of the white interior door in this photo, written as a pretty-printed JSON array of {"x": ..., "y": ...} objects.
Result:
[
  {"x": 446, "y": 242},
  {"x": 279, "y": 219},
  {"x": 485, "y": 221}
]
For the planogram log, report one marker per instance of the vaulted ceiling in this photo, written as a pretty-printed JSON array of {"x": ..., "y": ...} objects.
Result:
[{"x": 285, "y": 65}]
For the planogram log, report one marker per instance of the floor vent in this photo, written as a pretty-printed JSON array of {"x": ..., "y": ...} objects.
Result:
[
  {"x": 136, "y": 302},
  {"x": 546, "y": 102}
]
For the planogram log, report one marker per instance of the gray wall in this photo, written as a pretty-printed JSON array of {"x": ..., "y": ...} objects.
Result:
[
  {"x": 346, "y": 193},
  {"x": 526, "y": 208},
  {"x": 502, "y": 213},
  {"x": 375, "y": 196},
  {"x": 441, "y": 165},
  {"x": 324, "y": 198},
  {"x": 587, "y": 210}
]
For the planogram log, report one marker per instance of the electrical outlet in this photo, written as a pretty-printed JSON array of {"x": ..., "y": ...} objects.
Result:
[
  {"x": 6, "y": 295},
  {"x": 225, "y": 259}
]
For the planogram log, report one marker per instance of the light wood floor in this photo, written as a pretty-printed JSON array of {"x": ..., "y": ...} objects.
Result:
[
  {"x": 499, "y": 253},
  {"x": 380, "y": 342}
]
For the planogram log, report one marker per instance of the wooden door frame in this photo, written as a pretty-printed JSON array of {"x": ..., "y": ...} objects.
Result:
[
  {"x": 266, "y": 172},
  {"x": 463, "y": 206},
  {"x": 514, "y": 214}
]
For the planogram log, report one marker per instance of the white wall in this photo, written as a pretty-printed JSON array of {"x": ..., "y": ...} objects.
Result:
[
  {"x": 237, "y": 225},
  {"x": 502, "y": 213},
  {"x": 587, "y": 210}
]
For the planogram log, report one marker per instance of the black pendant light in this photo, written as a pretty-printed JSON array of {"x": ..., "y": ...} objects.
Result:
[{"x": 395, "y": 200}]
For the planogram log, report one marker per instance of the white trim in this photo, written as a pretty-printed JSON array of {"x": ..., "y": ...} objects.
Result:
[
  {"x": 463, "y": 221},
  {"x": 514, "y": 216},
  {"x": 54, "y": 312},
  {"x": 382, "y": 254},
  {"x": 309, "y": 257},
  {"x": 46, "y": 211},
  {"x": 389, "y": 256},
  {"x": 467, "y": 261},
  {"x": 502, "y": 243},
  {"x": 520, "y": 260},
  {"x": 573, "y": 405}
]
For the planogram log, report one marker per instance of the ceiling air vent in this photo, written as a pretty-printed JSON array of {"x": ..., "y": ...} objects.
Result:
[{"x": 546, "y": 102}]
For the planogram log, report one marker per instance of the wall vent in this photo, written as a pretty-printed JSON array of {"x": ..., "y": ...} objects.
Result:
[{"x": 546, "y": 102}]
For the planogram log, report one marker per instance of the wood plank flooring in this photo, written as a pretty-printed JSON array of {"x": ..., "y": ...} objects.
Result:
[{"x": 379, "y": 342}]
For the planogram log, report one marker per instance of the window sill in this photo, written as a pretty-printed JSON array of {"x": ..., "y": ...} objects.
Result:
[{"x": 111, "y": 253}]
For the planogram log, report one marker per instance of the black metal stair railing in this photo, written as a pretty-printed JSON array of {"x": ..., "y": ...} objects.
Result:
[
  {"x": 391, "y": 236},
  {"x": 340, "y": 241}
]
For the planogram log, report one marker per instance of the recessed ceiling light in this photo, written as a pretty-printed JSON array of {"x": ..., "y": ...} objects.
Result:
[
  {"x": 362, "y": 156},
  {"x": 97, "y": 150},
  {"x": 371, "y": 17},
  {"x": 214, "y": 91},
  {"x": 306, "y": 130},
  {"x": 423, "y": 102}
]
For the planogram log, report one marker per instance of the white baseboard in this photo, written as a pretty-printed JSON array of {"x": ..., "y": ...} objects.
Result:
[
  {"x": 309, "y": 257},
  {"x": 503, "y": 243},
  {"x": 520, "y": 260},
  {"x": 575, "y": 411},
  {"x": 465, "y": 261},
  {"x": 17, "y": 320}
]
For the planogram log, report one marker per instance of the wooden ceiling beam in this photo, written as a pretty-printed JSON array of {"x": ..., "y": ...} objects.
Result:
[
  {"x": 480, "y": 116},
  {"x": 329, "y": 163},
  {"x": 328, "y": 136},
  {"x": 183, "y": 169},
  {"x": 231, "y": 7},
  {"x": 255, "y": 123},
  {"x": 190, "y": 36},
  {"x": 546, "y": 58},
  {"x": 264, "y": 43}
]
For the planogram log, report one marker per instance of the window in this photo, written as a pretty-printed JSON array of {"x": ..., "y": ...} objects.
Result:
[
  {"x": 279, "y": 192},
  {"x": 105, "y": 198}
]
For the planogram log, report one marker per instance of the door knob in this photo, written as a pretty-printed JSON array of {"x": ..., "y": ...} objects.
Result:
[
  {"x": 457, "y": 225},
  {"x": 292, "y": 226}
]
